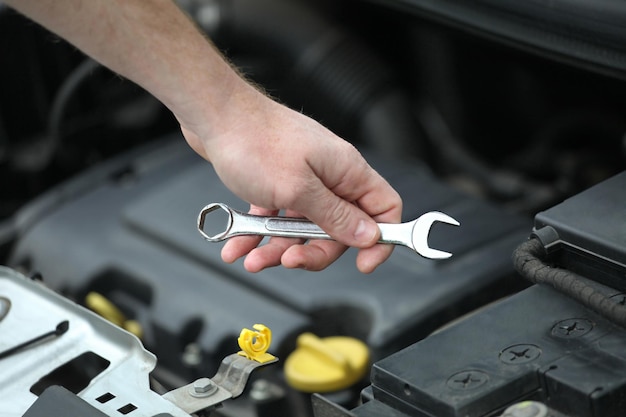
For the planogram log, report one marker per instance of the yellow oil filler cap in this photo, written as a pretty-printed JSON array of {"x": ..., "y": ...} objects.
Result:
[{"x": 326, "y": 364}]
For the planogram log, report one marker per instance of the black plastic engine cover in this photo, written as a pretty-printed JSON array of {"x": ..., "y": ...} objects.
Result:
[{"x": 128, "y": 231}]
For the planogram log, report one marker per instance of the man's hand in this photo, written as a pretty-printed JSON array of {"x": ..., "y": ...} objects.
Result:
[{"x": 278, "y": 159}]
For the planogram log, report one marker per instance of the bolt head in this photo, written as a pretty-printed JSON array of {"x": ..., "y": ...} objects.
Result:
[{"x": 203, "y": 385}]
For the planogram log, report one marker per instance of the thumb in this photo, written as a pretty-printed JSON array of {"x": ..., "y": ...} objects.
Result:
[{"x": 342, "y": 220}]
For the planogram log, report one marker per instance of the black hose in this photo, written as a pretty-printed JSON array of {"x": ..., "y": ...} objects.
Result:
[
  {"x": 529, "y": 259},
  {"x": 325, "y": 71}
]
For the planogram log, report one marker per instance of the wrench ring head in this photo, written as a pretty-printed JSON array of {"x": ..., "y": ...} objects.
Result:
[{"x": 201, "y": 220}]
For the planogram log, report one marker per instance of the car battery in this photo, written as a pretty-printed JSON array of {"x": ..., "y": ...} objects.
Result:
[
  {"x": 538, "y": 348},
  {"x": 537, "y": 345},
  {"x": 127, "y": 230},
  {"x": 586, "y": 233}
]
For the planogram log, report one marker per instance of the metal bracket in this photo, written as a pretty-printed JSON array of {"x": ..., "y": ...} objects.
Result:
[{"x": 229, "y": 382}]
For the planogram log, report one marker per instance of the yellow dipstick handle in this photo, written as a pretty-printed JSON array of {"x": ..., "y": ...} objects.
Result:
[
  {"x": 254, "y": 345},
  {"x": 106, "y": 309}
]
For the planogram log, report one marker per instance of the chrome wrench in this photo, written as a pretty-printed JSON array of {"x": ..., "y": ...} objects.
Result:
[{"x": 413, "y": 234}]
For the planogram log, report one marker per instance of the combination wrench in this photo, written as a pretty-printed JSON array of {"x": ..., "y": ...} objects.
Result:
[{"x": 413, "y": 234}]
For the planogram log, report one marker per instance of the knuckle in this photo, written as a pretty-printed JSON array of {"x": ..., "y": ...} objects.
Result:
[{"x": 339, "y": 216}]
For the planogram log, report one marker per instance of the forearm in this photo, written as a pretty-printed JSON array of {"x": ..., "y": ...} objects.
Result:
[
  {"x": 152, "y": 43},
  {"x": 271, "y": 156}
]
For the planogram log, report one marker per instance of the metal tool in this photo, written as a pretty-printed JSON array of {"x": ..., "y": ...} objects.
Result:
[{"x": 413, "y": 235}]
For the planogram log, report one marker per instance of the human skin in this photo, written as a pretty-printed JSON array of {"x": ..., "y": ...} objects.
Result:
[{"x": 267, "y": 154}]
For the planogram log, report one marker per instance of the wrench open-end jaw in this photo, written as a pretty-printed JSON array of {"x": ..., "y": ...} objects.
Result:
[
  {"x": 413, "y": 235},
  {"x": 421, "y": 230}
]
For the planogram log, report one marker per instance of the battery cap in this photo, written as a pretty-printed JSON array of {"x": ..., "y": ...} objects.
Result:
[{"x": 326, "y": 364}]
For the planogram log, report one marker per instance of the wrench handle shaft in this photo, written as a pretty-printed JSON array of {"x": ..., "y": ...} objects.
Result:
[
  {"x": 301, "y": 228},
  {"x": 294, "y": 227}
]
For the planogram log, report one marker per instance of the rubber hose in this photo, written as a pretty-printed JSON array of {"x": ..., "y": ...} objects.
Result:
[
  {"x": 332, "y": 75},
  {"x": 529, "y": 261}
]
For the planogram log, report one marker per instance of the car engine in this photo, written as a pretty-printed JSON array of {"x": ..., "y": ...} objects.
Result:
[{"x": 508, "y": 116}]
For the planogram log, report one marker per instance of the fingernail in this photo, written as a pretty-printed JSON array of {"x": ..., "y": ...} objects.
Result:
[{"x": 365, "y": 231}]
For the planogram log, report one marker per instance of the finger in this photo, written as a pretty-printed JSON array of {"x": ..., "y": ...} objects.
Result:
[
  {"x": 315, "y": 256},
  {"x": 354, "y": 224},
  {"x": 341, "y": 219},
  {"x": 269, "y": 254},
  {"x": 369, "y": 259},
  {"x": 347, "y": 197},
  {"x": 239, "y": 246}
]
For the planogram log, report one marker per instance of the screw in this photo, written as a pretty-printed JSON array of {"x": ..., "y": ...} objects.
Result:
[
  {"x": 466, "y": 380},
  {"x": 519, "y": 354},
  {"x": 572, "y": 328},
  {"x": 203, "y": 387}
]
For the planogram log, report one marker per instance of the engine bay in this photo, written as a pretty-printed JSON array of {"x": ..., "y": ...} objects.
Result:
[{"x": 508, "y": 118}]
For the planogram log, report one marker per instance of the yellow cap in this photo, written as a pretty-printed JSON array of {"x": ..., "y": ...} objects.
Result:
[
  {"x": 105, "y": 308},
  {"x": 326, "y": 364},
  {"x": 254, "y": 345}
]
